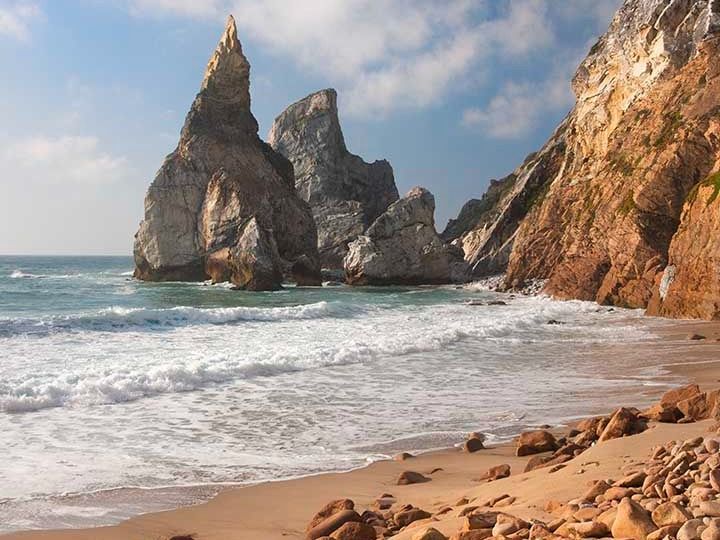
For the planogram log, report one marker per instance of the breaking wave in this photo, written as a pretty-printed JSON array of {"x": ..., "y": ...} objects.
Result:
[{"x": 119, "y": 318}]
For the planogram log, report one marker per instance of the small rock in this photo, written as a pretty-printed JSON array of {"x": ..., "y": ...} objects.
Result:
[
  {"x": 507, "y": 525},
  {"x": 406, "y": 517},
  {"x": 429, "y": 534},
  {"x": 354, "y": 531},
  {"x": 411, "y": 477},
  {"x": 691, "y": 530},
  {"x": 332, "y": 523},
  {"x": 696, "y": 337},
  {"x": 477, "y": 534},
  {"x": 402, "y": 456},
  {"x": 632, "y": 480},
  {"x": 473, "y": 445},
  {"x": 598, "y": 488},
  {"x": 662, "y": 532},
  {"x": 670, "y": 513},
  {"x": 712, "y": 532},
  {"x": 496, "y": 472},
  {"x": 709, "y": 508},
  {"x": 588, "y": 529}
]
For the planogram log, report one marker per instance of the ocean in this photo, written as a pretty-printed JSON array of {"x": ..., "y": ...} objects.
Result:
[{"x": 119, "y": 397}]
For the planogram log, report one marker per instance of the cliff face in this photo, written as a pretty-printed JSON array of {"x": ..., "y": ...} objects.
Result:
[
  {"x": 223, "y": 205},
  {"x": 346, "y": 194},
  {"x": 402, "y": 248},
  {"x": 625, "y": 215}
]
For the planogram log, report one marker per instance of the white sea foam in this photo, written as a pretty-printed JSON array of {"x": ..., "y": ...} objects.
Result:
[
  {"x": 296, "y": 382},
  {"x": 119, "y": 318},
  {"x": 379, "y": 332}
]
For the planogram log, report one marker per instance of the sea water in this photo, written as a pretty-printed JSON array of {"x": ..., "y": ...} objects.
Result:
[{"x": 119, "y": 397}]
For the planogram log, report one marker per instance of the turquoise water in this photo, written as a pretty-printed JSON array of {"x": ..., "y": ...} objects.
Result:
[{"x": 109, "y": 385}]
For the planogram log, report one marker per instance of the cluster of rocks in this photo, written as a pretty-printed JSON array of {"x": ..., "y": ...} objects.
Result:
[
  {"x": 674, "y": 495},
  {"x": 402, "y": 247},
  {"x": 226, "y": 206}
]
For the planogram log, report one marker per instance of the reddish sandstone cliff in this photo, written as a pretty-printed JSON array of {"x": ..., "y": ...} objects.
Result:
[{"x": 631, "y": 199}]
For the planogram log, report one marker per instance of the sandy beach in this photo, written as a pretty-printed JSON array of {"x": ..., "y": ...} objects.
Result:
[{"x": 282, "y": 509}]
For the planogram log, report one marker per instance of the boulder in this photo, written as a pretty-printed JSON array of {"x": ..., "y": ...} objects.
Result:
[
  {"x": 695, "y": 407},
  {"x": 223, "y": 206},
  {"x": 632, "y": 521},
  {"x": 673, "y": 397},
  {"x": 623, "y": 422},
  {"x": 345, "y": 193},
  {"x": 668, "y": 413},
  {"x": 402, "y": 248},
  {"x": 535, "y": 442}
]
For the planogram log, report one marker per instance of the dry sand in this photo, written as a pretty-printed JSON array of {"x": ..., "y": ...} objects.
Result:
[{"x": 281, "y": 510}]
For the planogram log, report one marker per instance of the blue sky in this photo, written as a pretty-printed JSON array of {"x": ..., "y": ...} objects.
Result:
[{"x": 94, "y": 93}]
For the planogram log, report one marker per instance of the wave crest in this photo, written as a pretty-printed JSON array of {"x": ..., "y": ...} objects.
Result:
[{"x": 118, "y": 318}]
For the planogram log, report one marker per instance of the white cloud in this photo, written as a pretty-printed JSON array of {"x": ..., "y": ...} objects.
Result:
[
  {"x": 382, "y": 54},
  {"x": 60, "y": 160},
  {"x": 518, "y": 107},
  {"x": 15, "y": 18}
]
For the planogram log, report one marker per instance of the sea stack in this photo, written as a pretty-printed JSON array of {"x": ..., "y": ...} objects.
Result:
[
  {"x": 346, "y": 194},
  {"x": 620, "y": 206},
  {"x": 223, "y": 205},
  {"x": 402, "y": 248}
]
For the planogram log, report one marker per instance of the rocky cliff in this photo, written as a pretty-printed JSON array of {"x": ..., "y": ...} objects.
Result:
[
  {"x": 346, "y": 194},
  {"x": 402, "y": 248},
  {"x": 223, "y": 205},
  {"x": 620, "y": 205}
]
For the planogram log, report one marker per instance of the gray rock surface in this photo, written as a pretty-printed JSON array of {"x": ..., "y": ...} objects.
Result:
[
  {"x": 346, "y": 194},
  {"x": 224, "y": 205},
  {"x": 402, "y": 248}
]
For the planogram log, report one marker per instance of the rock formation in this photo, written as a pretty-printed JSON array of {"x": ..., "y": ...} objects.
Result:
[
  {"x": 402, "y": 247},
  {"x": 346, "y": 194},
  {"x": 620, "y": 204},
  {"x": 223, "y": 205}
]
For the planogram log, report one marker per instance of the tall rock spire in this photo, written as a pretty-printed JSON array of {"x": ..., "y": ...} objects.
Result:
[
  {"x": 223, "y": 205},
  {"x": 227, "y": 75}
]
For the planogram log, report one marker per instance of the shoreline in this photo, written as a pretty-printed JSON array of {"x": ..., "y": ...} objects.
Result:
[{"x": 299, "y": 497}]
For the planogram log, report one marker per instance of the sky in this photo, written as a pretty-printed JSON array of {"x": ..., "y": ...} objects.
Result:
[{"x": 93, "y": 94}]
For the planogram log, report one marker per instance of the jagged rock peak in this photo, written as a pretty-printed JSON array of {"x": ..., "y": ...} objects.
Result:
[
  {"x": 346, "y": 194},
  {"x": 227, "y": 75},
  {"x": 319, "y": 107},
  {"x": 223, "y": 206}
]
